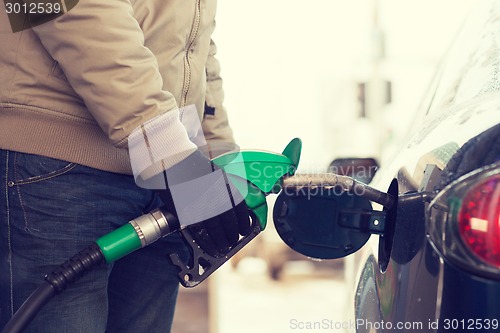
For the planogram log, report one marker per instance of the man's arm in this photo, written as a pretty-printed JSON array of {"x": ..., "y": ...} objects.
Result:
[{"x": 100, "y": 47}]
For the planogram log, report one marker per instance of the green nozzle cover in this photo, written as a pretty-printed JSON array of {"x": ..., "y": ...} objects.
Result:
[{"x": 119, "y": 243}]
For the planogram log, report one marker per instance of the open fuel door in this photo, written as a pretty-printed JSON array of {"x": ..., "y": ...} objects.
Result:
[{"x": 328, "y": 216}]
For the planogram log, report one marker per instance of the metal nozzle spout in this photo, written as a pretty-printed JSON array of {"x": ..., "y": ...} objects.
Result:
[{"x": 329, "y": 181}]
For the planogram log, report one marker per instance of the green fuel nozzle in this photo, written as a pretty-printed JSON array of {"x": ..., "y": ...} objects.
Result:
[{"x": 254, "y": 173}]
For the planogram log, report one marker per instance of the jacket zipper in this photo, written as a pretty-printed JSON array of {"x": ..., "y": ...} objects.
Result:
[{"x": 187, "y": 64}]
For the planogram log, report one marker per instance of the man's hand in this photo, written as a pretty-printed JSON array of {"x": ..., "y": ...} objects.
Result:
[{"x": 201, "y": 196}]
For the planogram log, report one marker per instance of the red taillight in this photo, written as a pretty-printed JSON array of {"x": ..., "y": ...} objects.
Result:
[{"x": 479, "y": 220}]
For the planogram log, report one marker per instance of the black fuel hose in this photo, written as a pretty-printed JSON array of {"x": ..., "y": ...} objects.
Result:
[
  {"x": 57, "y": 281},
  {"x": 25, "y": 314}
]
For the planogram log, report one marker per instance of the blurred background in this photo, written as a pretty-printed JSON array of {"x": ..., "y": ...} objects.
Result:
[{"x": 344, "y": 76}]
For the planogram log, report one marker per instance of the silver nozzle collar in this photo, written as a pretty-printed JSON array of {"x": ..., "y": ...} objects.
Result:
[{"x": 151, "y": 226}]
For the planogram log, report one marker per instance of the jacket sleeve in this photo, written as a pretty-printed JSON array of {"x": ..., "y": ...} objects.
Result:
[
  {"x": 100, "y": 47},
  {"x": 215, "y": 121}
]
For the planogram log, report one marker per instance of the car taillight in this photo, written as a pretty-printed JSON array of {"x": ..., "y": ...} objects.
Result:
[
  {"x": 479, "y": 220},
  {"x": 463, "y": 221}
]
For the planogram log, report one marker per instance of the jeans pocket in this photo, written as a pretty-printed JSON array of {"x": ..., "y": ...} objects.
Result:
[
  {"x": 58, "y": 200},
  {"x": 30, "y": 168},
  {"x": 43, "y": 191}
]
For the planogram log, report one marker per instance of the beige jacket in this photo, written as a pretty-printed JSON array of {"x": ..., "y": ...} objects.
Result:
[{"x": 75, "y": 88}]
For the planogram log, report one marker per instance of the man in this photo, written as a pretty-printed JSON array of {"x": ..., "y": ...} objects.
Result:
[{"x": 73, "y": 90}]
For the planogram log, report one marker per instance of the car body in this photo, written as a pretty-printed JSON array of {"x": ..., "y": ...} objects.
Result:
[{"x": 429, "y": 271}]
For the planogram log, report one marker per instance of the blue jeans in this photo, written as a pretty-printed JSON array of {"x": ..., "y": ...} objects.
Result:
[{"x": 49, "y": 210}]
